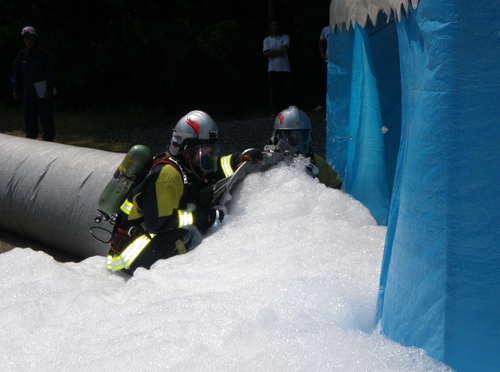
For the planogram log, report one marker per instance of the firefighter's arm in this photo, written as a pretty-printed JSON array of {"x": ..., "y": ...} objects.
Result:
[
  {"x": 229, "y": 164},
  {"x": 169, "y": 194},
  {"x": 161, "y": 200},
  {"x": 327, "y": 175}
]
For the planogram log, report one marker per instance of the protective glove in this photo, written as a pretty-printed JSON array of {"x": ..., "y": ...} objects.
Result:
[
  {"x": 206, "y": 218},
  {"x": 251, "y": 155}
]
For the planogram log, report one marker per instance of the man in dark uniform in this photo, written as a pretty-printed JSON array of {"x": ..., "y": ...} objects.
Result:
[{"x": 34, "y": 68}]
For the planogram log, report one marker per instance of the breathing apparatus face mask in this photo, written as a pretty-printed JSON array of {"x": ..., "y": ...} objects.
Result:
[
  {"x": 203, "y": 159},
  {"x": 294, "y": 141}
]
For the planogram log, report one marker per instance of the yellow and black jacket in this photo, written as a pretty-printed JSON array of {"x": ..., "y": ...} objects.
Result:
[{"x": 156, "y": 212}]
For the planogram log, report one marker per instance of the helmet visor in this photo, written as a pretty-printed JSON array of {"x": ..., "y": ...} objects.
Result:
[
  {"x": 203, "y": 158},
  {"x": 294, "y": 141}
]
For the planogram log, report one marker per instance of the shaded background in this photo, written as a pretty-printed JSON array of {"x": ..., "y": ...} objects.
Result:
[{"x": 168, "y": 55}]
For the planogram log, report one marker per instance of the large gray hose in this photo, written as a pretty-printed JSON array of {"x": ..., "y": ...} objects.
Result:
[{"x": 49, "y": 192}]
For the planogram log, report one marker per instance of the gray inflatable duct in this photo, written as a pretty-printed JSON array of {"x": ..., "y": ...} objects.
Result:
[{"x": 49, "y": 192}]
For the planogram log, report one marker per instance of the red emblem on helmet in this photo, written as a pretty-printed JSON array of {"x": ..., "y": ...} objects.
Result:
[
  {"x": 281, "y": 117},
  {"x": 193, "y": 124}
]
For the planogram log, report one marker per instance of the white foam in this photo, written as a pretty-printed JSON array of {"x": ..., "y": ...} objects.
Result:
[{"x": 289, "y": 282}]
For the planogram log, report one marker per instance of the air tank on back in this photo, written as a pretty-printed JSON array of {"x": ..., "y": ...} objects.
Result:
[{"x": 133, "y": 165}]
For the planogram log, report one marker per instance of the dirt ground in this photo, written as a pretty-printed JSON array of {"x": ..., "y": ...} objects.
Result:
[{"x": 9, "y": 241}]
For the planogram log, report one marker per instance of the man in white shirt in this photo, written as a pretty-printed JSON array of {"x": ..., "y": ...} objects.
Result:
[
  {"x": 280, "y": 78},
  {"x": 323, "y": 46}
]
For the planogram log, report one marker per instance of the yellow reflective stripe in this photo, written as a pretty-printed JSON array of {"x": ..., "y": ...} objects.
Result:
[
  {"x": 126, "y": 207},
  {"x": 133, "y": 250},
  {"x": 116, "y": 264},
  {"x": 185, "y": 218},
  {"x": 181, "y": 248},
  {"x": 226, "y": 166},
  {"x": 128, "y": 256},
  {"x": 109, "y": 260}
]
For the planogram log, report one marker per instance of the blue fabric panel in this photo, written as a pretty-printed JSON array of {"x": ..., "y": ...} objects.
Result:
[
  {"x": 385, "y": 53},
  {"x": 366, "y": 177},
  {"x": 392, "y": 121},
  {"x": 441, "y": 265},
  {"x": 338, "y": 99}
]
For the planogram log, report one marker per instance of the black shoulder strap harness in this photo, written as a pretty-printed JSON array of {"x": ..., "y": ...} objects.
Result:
[
  {"x": 120, "y": 238},
  {"x": 166, "y": 159}
]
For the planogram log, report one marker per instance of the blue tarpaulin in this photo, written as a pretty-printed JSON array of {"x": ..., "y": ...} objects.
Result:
[
  {"x": 440, "y": 277},
  {"x": 441, "y": 268},
  {"x": 364, "y": 112}
]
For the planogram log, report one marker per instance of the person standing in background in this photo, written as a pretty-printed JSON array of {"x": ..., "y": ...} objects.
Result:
[
  {"x": 276, "y": 49},
  {"x": 34, "y": 70},
  {"x": 323, "y": 46}
]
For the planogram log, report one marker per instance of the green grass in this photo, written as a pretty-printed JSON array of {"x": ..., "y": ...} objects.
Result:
[{"x": 87, "y": 128}]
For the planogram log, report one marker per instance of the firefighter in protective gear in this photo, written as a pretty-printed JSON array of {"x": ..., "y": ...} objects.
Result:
[
  {"x": 34, "y": 65},
  {"x": 292, "y": 135},
  {"x": 165, "y": 213}
]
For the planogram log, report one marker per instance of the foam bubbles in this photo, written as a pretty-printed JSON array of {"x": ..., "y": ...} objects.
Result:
[{"x": 289, "y": 282}]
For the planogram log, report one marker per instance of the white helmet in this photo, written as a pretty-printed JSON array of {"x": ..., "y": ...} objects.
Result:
[
  {"x": 292, "y": 131},
  {"x": 28, "y": 30},
  {"x": 197, "y": 134}
]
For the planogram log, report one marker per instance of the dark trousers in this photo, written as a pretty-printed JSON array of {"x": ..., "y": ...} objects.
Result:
[
  {"x": 161, "y": 246},
  {"x": 282, "y": 92},
  {"x": 34, "y": 107}
]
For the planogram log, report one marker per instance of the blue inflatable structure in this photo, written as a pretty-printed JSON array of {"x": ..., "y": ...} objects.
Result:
[
  {"x": 416, "y": 142},
  {"x": 364, "y": 112}
]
